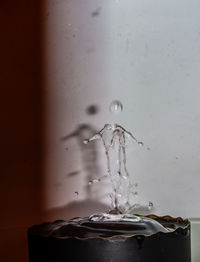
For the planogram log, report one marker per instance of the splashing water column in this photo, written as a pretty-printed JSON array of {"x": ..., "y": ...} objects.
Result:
[{"x": 115, "y": 236}]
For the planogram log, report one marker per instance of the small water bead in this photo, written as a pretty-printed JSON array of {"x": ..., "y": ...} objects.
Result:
[
  {"x": 141, "y": 143},
  {"x": 116, "y": 107},
  {"x": 150, "y": 207},
  {"x": 86, "y": 141},
  {"x": 96, "y": 180},
  {"x": 76, "y": 192}
]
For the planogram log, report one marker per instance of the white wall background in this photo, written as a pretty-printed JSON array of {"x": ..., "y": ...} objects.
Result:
[{"x": 145, "y": 54}]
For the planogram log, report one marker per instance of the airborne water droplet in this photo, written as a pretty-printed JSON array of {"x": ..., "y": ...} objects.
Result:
[
  {"x": 150, "y": 206},
  {"x": 86, "y": 141},
  {"x": 116, "y": 107}
]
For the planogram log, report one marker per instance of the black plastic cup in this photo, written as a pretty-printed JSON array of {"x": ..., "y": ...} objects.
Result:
[{"x": 159, "y": 247}]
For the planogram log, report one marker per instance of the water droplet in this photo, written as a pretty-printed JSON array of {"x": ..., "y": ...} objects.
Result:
[
  {"x": 96, "y": 180},
  {"x": 85, "y": 141},
  {"x": 116, "y": 107},
  {"x": 150, "y": 206},
  {"x": 140, "y": 143},
  {"x": 76, "y": 192}
]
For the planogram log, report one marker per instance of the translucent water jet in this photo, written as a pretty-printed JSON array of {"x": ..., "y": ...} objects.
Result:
[{"x": 114, "y": 140}]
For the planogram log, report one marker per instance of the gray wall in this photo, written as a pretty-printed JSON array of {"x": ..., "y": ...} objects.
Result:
[{"x": 145, "y": 54}]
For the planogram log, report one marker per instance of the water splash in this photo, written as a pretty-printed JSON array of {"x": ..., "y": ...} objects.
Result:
[{"x": 114, "y": 136}]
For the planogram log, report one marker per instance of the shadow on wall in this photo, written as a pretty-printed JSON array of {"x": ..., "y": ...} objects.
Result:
[
  {"x": 88, "y": 152},
  {"x": 91, "y": 170},
  {"x": 21, "y": 113}
]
